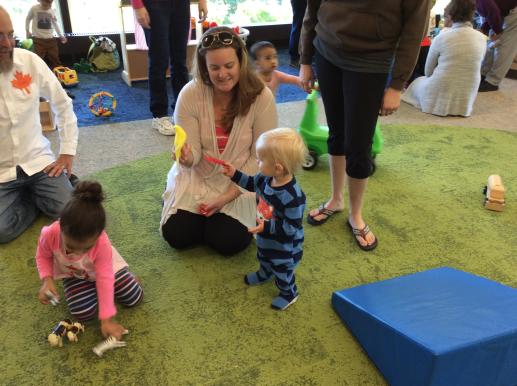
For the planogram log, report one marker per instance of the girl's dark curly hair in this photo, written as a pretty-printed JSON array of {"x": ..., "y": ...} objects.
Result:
[{"x": 83, "y": 216}]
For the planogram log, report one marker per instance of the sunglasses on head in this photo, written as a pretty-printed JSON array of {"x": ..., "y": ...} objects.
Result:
[{"x": 222, "y": 38}]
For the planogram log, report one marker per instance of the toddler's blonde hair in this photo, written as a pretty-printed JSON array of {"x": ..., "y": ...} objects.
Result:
[{"x": 285, "y": 147}]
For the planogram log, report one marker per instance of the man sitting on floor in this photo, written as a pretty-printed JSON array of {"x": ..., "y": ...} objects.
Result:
[{"x": 31, "y": 179}]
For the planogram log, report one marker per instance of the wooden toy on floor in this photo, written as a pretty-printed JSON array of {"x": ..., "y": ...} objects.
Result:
[
  {"x": 73, "y": 331},
  {"x": 494, "y": 191},
  {"x": 55, "y": 338},
  {"x": 65, "y": 327}
]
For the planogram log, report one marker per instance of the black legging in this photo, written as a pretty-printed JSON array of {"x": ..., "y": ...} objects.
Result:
[
  {"x": 352, "y": 101},
  {"x": 221, "y": 232}
]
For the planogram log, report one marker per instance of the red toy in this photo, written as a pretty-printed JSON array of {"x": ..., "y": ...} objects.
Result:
[{"x": 213, "y": 160}]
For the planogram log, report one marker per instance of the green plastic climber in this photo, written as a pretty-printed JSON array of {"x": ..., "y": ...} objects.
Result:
[{"x": 316, "y": 135}]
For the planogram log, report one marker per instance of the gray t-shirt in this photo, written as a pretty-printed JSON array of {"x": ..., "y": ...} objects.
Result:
[{"x": 371, "y": 62}]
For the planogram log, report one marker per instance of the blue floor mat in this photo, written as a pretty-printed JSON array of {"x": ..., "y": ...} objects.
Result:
[{"x": 133, "y": 102}]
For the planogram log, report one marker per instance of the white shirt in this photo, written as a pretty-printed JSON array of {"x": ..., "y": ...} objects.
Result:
[
  {"x": 21, "y": 139},
  {"x": 44, "y": 22}
]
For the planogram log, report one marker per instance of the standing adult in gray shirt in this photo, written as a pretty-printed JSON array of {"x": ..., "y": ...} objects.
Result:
[{"x": 356, "y": 43}]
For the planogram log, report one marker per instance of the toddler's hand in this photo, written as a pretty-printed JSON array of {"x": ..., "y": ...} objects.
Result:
[
  {"x": 48, "y": 285},
  {"x": 63, "y": 39},
  {"x": 111, "y": 328},
  {"x": 259, "y": 228},
  {"x": 228, "y": 170}
]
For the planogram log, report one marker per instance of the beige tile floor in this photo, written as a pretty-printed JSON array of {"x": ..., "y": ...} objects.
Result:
[{"x": 105, "y": 146}]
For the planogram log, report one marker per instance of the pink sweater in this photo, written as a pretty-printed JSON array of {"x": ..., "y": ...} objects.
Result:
[{"x": 95, "y": 265}]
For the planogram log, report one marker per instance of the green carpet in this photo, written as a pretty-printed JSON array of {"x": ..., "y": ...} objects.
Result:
[{"x": 199, "y": 323}]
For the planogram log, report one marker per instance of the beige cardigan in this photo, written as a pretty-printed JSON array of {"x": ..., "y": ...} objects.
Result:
[{"x": 186, "y": 187}]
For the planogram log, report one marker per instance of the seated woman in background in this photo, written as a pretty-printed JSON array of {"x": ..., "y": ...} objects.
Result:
[
  {"x": 223, "y": 110},
  {"x": 453, "y": 65}
]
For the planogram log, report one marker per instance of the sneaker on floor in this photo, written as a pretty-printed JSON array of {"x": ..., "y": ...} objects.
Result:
[
  {"x": 485, "y": 86},
  {"x": 163, "y": 125},
  {"x": 281, "y": 302}
]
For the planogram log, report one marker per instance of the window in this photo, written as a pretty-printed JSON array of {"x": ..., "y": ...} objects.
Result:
[
  {"x": 94, "y": 16},
  {"x": 439, "y": 6},
  {"x": 103, "y": 16},
  {"x": 18, "y": 10},
  {"x": 249, "y": 12}
]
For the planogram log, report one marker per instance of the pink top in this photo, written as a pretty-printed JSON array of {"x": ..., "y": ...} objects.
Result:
[
  {"x": 137, "y": 4},
  {"x": 98, "y": 264},
  {"x": 278, "y": 77},
  {"x": 222, "y": 138}
]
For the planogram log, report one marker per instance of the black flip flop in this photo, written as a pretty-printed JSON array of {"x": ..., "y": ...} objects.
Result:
[
  {"x": 362, "y": 233},
  {"x": 321, "y": 210}
]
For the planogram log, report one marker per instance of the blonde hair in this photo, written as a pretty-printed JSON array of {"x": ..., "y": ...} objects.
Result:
[
  {"x": 249, "y": 86},
  {"x": 285, "y": 147}
]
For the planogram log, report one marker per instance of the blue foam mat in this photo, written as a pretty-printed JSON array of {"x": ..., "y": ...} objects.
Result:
[{"x": 437, "y": 327}]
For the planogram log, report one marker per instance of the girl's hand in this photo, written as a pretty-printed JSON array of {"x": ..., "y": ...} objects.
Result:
[
  {"x": 142, "y": 17},
  {"x": 111, "y": 328},
  {"x": 203, "y": 10},
  {"x": 186, "y": 157},
  {"x": 306, "y": 77},
  {"x": 259, "y": 228},
  {"x": 47, "y": 285},
  {"x": 390, "y": 101},
  {"x": 228, "y": 170}
]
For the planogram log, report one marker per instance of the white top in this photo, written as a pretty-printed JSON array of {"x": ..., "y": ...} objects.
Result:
[
  {"x": 186, "y": 187},
  {"x": 44, "y": 22},
  {"x": 452, "y": 73},
  {"x": 21, "y": 138}
]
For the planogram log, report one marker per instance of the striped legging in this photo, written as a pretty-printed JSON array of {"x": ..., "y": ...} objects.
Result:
[{"x": 81, "y": 295}]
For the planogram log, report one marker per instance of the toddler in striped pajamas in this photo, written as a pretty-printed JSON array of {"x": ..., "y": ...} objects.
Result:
[
  {"x": 77, "y": 250},
  {"x": 280, "y": 152}
]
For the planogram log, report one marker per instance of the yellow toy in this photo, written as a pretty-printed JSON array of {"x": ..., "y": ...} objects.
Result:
[
  {"x": 179, "y": 140},
  {"x": 66, "y": 76},
  {"x": 494, "y": 192},
  {"x": 102, "y": 104}
]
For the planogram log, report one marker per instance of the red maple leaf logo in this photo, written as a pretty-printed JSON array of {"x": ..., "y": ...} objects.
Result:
[{"x": 22, "y": 81}]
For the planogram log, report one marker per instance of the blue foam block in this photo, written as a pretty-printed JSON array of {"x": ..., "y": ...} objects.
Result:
[{"x": 437, "y": 327}]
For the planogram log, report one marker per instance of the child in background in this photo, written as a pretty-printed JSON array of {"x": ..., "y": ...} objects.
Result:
[
  {"x": 77, "y": 249},
  {"x": 44, "y": 22},
  {"x": 266, "y": 62},
  {"x": 280, "y": 152}
]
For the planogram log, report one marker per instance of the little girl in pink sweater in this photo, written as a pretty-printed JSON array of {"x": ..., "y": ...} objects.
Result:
[{"x": 77, "y": 250}]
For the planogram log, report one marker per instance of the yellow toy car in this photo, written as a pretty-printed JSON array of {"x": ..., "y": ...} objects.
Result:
[{"x": 66, "y": 76}]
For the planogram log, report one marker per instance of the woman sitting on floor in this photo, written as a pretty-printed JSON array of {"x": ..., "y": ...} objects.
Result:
[
  {"x": 453, "y": 65},
  {"x": 223, "y": 110}
]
